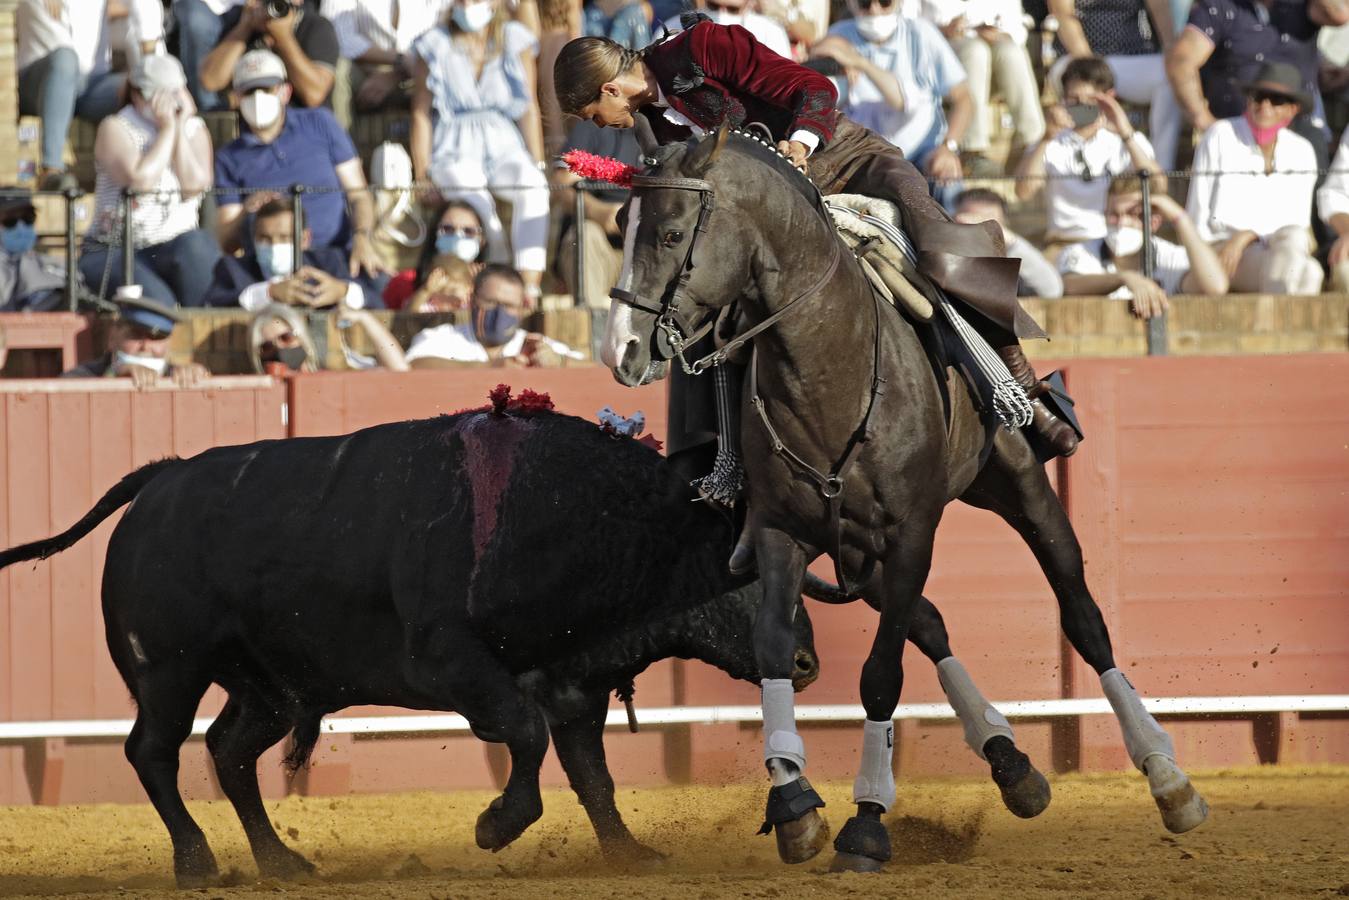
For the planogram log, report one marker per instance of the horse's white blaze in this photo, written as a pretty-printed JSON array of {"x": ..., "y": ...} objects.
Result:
[
  {"x": 782, "y": 745},
  {"x": 977, "y": 715},
  {"x": 875, "y": 782},
  {"x": 618, "y": 333}
]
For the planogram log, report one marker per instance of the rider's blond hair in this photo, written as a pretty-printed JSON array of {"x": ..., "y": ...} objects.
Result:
[{"x": 584, "y": 66}]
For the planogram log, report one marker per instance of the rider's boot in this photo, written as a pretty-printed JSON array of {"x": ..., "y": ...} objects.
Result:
[
  {"x": 1058, "y": 434},
  {"x": 742, "y": 557}
]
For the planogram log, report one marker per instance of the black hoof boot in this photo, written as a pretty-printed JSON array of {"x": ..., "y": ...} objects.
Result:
[
  {"x": 1025, "y": 792},
  {"x": 791, "y": 814},
  {"x": 862, "y": 846}
]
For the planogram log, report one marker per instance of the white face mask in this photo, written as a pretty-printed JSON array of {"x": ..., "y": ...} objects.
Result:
[
  {"x": 1124, "y": 240},
  {"x": 878, "y": 29},
  {"x": 474, "y": 16},
  {"x": 276, "y": 260},
  {"x": 121, "y": 360},
  {"x": 726, "y": 17},
  {"x": 260, "y": 109}
]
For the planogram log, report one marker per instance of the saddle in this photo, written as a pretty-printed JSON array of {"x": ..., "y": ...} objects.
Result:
[{"x": 891, "y": 272}]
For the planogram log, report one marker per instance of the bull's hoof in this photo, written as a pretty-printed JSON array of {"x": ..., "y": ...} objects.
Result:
[
  {"x": 497, "y": 828},
  {"x": 1181, "y": 806},
  {"x": 285, "y": 864},
  {"x": 195, "y": 867},
  {"x": 803, "y": 839},
  {"x": 863, "y": 845},
  {"x": 1028, "y": 797}
]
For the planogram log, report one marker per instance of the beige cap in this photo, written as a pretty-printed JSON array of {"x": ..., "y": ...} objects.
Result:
[{"x": 258, "y": 69}]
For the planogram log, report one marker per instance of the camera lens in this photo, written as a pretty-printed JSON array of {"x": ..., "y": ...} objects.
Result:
[{"x": 278, "y": 9}]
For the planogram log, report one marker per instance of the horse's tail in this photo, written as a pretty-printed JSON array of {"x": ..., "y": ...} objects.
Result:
[
  {"x": 121, "y": 494},
  {"x": 821, "y": 590},
  {"x": 303, "y": 737}
]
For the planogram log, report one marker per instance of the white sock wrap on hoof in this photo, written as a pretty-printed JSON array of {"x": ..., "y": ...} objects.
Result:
[
  {"x": 980, "y": 719},
  {"x": 780, "y": 740},
  {"x": 875, "y": 782},
  {"x": 1143, "y": 737}
]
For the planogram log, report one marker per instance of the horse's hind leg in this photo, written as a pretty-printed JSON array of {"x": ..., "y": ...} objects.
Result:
[
  {"x": 243, "y": 731},
  {"x": 167, "y": 699},
  {"x": 1014, "y": 486},
  {"x": 987, "y": 732}
]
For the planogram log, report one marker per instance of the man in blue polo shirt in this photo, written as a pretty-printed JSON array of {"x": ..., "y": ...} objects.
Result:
[{"x": 281, "y": 146}]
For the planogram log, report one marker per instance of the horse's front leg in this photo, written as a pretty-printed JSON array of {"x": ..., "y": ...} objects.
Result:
[
  {"x": 792, "y": 803},
  {"x": 863, "y": 844}
]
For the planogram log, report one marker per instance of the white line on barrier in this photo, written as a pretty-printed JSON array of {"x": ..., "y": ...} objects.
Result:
[{"x": 712, "y": 715}]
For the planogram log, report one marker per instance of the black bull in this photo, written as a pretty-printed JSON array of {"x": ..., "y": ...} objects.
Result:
[{"x": 513, "y": 568}]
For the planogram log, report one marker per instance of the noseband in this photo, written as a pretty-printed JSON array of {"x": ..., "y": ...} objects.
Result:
[{"x": 673, "y": 330}]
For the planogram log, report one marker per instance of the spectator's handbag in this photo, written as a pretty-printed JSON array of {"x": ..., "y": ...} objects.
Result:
[{"x": 399, "y": 229}]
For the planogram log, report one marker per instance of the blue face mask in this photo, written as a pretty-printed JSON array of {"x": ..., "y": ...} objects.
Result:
[
  {"x": 466, "y": 248},
  {"x": 18, "y": 239},
  {"x": 495, "y": 326}
]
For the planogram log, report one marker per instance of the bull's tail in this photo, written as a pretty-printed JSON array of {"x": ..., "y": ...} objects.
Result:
[
  {"x": 121, "y": 494},
  {"x": 821, "y": 590},
  {"x": 303, "y": 738}
]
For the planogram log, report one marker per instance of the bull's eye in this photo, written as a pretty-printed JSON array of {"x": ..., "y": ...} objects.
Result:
[{"x": 672, "y": 237}]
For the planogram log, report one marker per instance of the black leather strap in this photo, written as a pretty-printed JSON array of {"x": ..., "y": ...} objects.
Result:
[{"x": 789, "y": 802}]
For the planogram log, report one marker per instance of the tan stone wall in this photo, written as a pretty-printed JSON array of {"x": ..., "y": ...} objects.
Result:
[{"x": 9, "y": 94}]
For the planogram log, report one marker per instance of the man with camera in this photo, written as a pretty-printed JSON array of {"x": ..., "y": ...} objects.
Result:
[{"x": 294, "y": 31}]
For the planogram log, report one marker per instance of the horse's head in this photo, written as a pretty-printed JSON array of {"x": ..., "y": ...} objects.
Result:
[{"x": 685, "y": 254}]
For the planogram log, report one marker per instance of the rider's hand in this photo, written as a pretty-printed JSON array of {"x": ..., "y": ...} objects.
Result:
[{"x": 795, "y": 151}]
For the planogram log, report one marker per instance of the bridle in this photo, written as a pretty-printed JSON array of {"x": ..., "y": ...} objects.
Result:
[{"x": 674, "y": 333}]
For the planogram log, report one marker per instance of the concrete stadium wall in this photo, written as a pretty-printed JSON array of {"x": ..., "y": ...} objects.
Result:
[{"x": 1209, "y": 498}]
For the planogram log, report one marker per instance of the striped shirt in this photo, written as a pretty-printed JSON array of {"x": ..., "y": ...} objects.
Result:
[
  {"x": 364, "y": 25},
  {"x": 155, "y": 217}
]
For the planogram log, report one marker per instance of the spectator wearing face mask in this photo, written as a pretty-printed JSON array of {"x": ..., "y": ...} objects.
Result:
[
  {"x": 1089, "y": 142},
  {"x": 739, "y": 12},
  {"x": 1252, "y": 189},
  {"x": 494, "y": 335},
  {"x": 1037, "y": 277},
  {"x": 137, "y": 346},
  {"x": 458, "y": 232},
  {"x": 28, "y": 280},
  {"x": 901, "y": 73},
  {"x": 1113, "y": 266},
  {"x": 304, "y": 41},
  {"x": 279, "y": 342},
  {"x": 270, "y": 274},
  {"x": 283, "y": 145}
]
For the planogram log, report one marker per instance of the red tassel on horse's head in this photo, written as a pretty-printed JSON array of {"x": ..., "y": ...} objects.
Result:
[{"x": 600, "y": 168}]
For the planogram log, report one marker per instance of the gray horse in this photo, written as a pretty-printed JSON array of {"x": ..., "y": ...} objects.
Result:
[{"x": 848, "y": 452}]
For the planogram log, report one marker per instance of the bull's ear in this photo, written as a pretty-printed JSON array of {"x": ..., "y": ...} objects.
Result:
[
  {"x": 646, "y": 137},
  {"x": 705, "y": 153}
]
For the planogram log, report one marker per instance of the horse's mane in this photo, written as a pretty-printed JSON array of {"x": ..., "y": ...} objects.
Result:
[{"x": 757, "y": 146}]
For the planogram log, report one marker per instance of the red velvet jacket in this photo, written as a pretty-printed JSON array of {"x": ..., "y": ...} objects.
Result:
[{"x": 716, "y": 74}]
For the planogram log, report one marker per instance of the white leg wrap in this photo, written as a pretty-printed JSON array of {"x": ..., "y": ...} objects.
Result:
[
  {"x": 780, "y": 740},
  {"x": 1143, "y": 737},
  {"x": 875, "y": 781},
  {"x": 980, "y": 719}
]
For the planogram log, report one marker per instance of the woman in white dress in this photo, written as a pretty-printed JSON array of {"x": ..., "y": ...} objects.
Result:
[{"x": 475, "y": 126}]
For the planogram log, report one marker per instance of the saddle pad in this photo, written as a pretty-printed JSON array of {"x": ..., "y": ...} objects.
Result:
[{"x": 890, "y": 271}]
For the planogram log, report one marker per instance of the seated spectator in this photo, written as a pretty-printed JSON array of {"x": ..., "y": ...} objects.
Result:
[
  {"x": 269, "y": 273},
  {"x": 599, "y": 236},
  {"x": 138, "y": 343},
  {"x": 622, "y": 21},
  {"x": 1038, "y": 277},
  {"x": 740, "y": 12},
  {"x": 1332, "y": 201},
  {"x": 303, "y": 39},
  {"x": 1089, "y": 143},
  {"x": 65, "y": 70},
  {"x": 1132, "y": 37},
  {"x": 806, "y": 21},
  {"x": 1114, "y": 265},
  {"x": 377, "y": 36},
  {"x": 990, "y": 40},
  {"x": 157, "y": 145},
  {"x": 494, "y": 335},
  {"x": 279, "y": 342},
  {"x": 1251, "y": 194},
  {"x": 199, "y": 26},
  {"x": 458, "y": 232},
  {"x": 283, "y": 145},
  {"x": 901, "y": 71},
  {"x": 475, "y": 126},
  {"x": 28, "y": 280},
  {"x": 448, "y": 288}
]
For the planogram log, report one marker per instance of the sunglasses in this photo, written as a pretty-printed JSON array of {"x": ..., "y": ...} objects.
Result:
[
  {"x": 467, "y": 232},
  {"x": 28, "y": 218},
  {"x": 1274, "y": 98},
  {"x": 723, "y": 7},
  {"x": 281, "y": 341},
  {"x": 883, "y": 5}
]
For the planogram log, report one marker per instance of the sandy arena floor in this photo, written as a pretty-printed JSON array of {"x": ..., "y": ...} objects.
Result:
[{"x": 1272, "y": 833}]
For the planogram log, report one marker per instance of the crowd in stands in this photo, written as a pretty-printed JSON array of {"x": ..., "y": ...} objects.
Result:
[{"x": 1046, "y": 115}]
